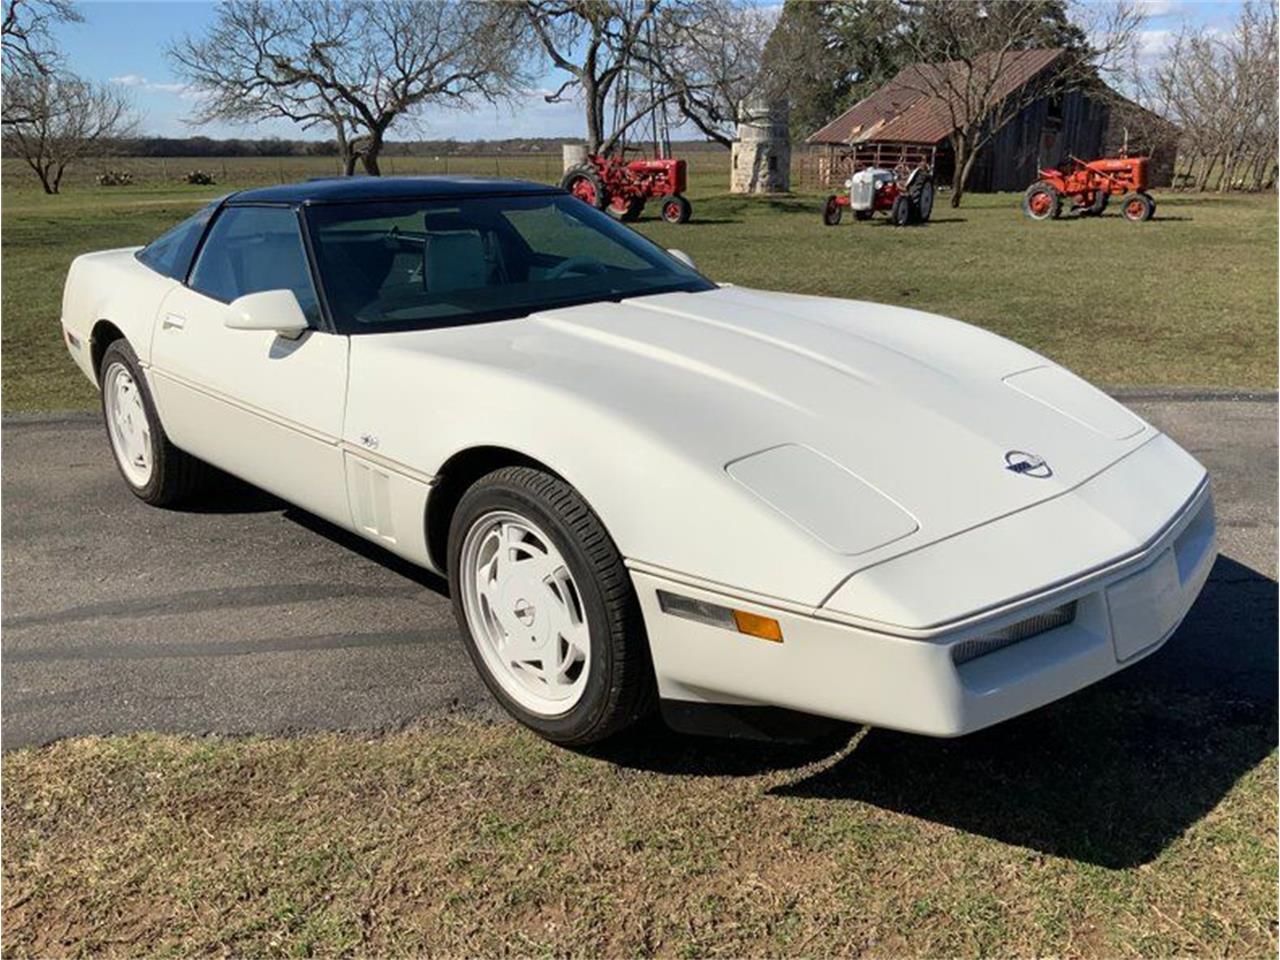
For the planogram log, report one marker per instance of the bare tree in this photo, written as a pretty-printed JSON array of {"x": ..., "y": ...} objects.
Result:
[
  {"x": 29, "y": 51},
  {"x": 597, "y": 42},
  {"x": 973, "y": 63},
  {"x": 707, "y": 56},
  {"x": 1220, "y": 89},
  {"x": 357, "y": 66},
  {"x": 25, "y": 39},
  {"x": 68, "y": 119}
]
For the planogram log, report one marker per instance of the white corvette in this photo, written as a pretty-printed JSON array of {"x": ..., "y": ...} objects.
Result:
[{"x": 644, "y": 487}]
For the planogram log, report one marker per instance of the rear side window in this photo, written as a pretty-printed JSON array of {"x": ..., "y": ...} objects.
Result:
[
  {"x": 252, "y": 249},
  {"x": 171, "y": 253}
]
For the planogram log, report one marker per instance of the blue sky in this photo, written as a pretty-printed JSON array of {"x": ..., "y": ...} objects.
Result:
[{"x": 122, "y": 41}]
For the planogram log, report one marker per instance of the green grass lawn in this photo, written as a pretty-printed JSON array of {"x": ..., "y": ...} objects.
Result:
[
  {"x": 1187, "y": 299},
  {"x": 1116, "y": 824}
]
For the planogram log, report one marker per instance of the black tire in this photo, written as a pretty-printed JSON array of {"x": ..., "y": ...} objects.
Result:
[
  {"x": 587, "y": 174},
  {"x": 620, "y": 689},
  {"x": 631, "y": 212},
  {"x": 832, "y": 211},
  {"x": 176, "y": 476},
  {"x": 922, "y": 197},
  {"x": 902, "y": 213},
  {"x": 1051, "y": 206},
  {"x": 1137, "y": 207},
  {"x": 863, "y": 214},
  {"x": 676, "y": 209}
]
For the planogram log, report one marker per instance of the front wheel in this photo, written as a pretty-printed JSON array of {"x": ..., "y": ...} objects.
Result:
[
  {"x": 546, "y": 608},
  {"x": 153, "y": 469},
  {"x": 832, "y": 211},
  {"x": 676, "y": 209},
  {"x": 1137, "y": 207}
]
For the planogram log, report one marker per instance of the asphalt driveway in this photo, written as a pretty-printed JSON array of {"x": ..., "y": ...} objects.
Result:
[{"x": 253, "y": 617}]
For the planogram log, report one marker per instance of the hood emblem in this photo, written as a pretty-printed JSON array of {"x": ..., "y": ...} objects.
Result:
[{"x": 1027, "y": 464}]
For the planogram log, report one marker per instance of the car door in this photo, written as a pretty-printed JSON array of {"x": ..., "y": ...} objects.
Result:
[{"x": 262, "y": 406}]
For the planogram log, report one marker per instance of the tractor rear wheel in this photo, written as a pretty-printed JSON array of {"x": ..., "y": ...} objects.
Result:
[
  {"x": 627, "y": 210},
  {"x": 585, "y": 184},
  {"x": 676, "y": 209},
  {"x": 832, "y": 211},
  {"x": 901, "y": 214},
  {"x": 1137, "y": 207},
  {"x": 1041, "y": 201},
  {"x": 923, "y": 200}
]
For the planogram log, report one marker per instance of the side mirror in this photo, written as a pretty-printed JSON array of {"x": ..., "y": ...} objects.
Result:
[
  {"x": 275, "y": 310},
  {"x": 684, "y": 258}
]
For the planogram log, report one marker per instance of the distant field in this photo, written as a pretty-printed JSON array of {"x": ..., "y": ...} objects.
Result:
[{"x": 1187, "y": 299}]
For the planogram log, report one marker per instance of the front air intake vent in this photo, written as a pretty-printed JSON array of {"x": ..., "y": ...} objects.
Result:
[{"x": 980, "y": 646}]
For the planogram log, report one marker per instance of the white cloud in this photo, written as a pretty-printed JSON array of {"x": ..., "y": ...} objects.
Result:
[
  {"x": 139, "y": 82},
  {"x": 1159, "y": 9}
]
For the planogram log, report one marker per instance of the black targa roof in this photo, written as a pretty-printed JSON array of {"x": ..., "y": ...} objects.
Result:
[{"x": 369, "y": 189}]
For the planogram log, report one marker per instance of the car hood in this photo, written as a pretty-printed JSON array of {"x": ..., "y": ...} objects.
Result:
[
  {"x": 923, "y": 409},
  {"x": 925, "y": 414}
]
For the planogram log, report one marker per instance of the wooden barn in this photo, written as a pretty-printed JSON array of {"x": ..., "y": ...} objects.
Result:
[{"x": 901, "y": 122}]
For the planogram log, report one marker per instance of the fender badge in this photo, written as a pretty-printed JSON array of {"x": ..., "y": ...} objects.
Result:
[
  {"x": 1027, "y": 464},
  {"x": 369, "y": 440}
]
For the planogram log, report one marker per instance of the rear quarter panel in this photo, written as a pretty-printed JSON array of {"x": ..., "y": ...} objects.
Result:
[{"x": 111, "y": 285}]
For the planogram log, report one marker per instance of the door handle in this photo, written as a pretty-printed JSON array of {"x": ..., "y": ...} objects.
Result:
[{"x": 174, "y": 321}]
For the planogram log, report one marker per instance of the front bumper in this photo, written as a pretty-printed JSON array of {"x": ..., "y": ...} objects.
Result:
[{"x": 1124, "y": 612}]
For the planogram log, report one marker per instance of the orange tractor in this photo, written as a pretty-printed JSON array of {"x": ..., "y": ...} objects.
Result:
[{"x": 1083, "y": 187}]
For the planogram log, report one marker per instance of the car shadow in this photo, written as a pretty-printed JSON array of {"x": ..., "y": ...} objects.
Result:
[
  {"x": 1113, "y": 774},
  {"x": 1109, "y": 776},
  {"x": 653, "y": 747},
  {"x": 230, "y": 495},
  {"x": 367, "y": 549}
]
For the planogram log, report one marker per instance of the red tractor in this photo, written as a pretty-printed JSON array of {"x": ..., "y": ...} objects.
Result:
[
  {"x": 623, "y": 186},
  {"x": 1083, "y": 187},
  {"x": 906, "y": 195}
]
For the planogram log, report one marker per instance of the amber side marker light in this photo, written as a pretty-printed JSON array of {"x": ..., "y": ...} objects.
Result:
[{"x": 714, "y": 615}]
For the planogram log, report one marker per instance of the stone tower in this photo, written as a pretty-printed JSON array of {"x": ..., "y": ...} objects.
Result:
[{"x": 761, "y": 156}]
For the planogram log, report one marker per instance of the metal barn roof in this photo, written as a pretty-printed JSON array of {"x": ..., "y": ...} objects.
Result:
[{"x": 905, "y": 111}]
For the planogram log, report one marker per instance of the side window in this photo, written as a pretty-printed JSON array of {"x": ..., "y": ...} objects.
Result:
[
  {"x": 252, "y": 249},
  {"x": 171, "y": 252}
]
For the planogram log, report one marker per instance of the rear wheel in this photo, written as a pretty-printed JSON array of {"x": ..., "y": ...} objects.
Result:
[
  {"x": 924, "y": 201},
  {"x": 153, "y": 469},
  {"x": 545, "y": 604},
  {"x": 1137, "y": 207},
  {"x": 832, "y": 211},
  {"x": 676, "y": 209},
  {"x": 1041, "y": 201},
  {"x": 585, "y": 184}
]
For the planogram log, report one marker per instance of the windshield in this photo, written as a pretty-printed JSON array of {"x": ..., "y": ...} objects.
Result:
[{"x": 413, "y": 264}]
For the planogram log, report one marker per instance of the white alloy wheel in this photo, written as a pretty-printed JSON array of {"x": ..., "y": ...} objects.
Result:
[
  {"x": 525, "y": 613},
  {"x": 128, "y": 425}
]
